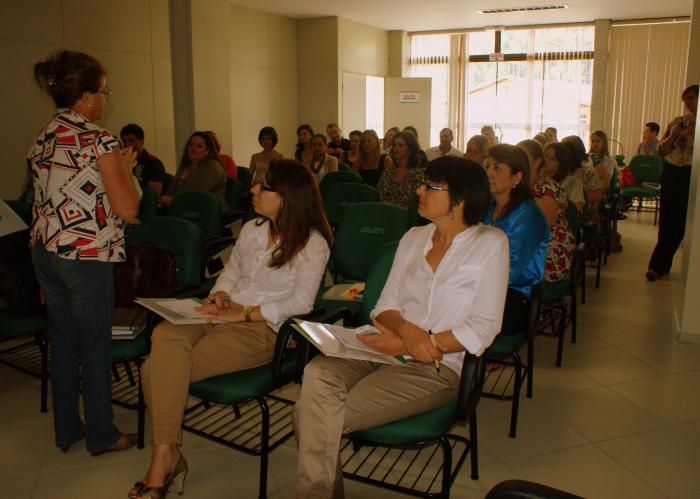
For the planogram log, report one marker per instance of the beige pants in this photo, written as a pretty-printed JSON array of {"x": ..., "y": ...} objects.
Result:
[
  {"x": 181, "y": 355},
  {"x": 340, "y": 396}
]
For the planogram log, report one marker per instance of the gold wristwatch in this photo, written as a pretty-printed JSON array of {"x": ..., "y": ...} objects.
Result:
[{"x": 246, "y": 312}]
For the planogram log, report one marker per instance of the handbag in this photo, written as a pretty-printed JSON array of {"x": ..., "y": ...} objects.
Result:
[{"x": 148, "y": 272}]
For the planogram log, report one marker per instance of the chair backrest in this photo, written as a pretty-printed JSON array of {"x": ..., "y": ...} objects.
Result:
[
  {"x": 181, "y": 236},
  {"x": 578, "y": 259},
  {"x": 332, "y": 178},
  {"x": 364, "y": 228},
  {"x": 646, "y": 168},
  {"x": 574, "y": 218},
  {"x": 167, "y": 182},
  {"x": 245, "y": 178},
  {"x": 233, "y": 193},
  {"x": 344, "y": 167},
  {"x": 342, "y": 195},
  {"x": 376, "y": 278},
  {"x": 414, "y": 219},
  {"x": 533, "y": 313},
  {"x": 148, "y": 207},
  {"x": 201, "y": 208},
  {"x": 471, "y": 383}
]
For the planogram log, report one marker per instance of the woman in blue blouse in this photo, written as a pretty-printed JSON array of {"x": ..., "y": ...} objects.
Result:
[{"x": 515, "y": 213}]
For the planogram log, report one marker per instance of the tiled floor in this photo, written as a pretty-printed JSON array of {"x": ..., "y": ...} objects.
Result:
[{"x": 620, "y": 419}]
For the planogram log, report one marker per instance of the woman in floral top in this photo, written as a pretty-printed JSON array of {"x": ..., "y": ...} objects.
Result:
[
  {"x": 552, "y": 200},
  {"x": 400, "y": 181}
]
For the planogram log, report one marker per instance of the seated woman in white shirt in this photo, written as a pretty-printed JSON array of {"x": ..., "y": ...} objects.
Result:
[
  {"x": 444, "y": 295},
  {"x": 320, "y": 162},
  {"x": 273, "y": 273}
]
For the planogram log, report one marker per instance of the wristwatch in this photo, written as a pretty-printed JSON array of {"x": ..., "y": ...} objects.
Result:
[{"x": 246, "y": 312}]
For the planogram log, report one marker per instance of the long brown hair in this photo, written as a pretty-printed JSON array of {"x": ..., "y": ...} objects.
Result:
[
  {"x": 363, "y": 159},
  {"x": 301, "y": 210},
  {"x": 518, "y": 161}
]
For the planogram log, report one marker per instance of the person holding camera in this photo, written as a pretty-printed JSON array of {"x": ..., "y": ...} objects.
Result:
[{"x": 676, "y": 149}]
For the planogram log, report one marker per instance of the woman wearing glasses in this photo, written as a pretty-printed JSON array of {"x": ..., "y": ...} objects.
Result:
[
  {"x": 273, "y": 273},
  {"x": 84, "y": 191},
  {"x": 444, "y": 295}
]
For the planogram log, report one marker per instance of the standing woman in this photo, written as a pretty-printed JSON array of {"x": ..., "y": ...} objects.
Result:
[
  {"x": 676, "y": 148},
  {"x": 83, "y": 193},
  {"x": 399, "y": 181},
  {"x": 320, "y": 163},
  {"x": 267, "y": 138},
  {"x": 304, "y": 150},
  {"x": 371, "y": 164}
]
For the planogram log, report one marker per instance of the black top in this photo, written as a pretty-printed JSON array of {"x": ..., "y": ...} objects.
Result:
[
  {"x": 371, "y": 177},
  {"x": 344, "y": 144},
  {"x": 148, "y": 169}
]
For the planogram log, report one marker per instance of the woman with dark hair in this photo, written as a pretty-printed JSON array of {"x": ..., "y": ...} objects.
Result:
[
  {"x": 273, "y": 273},
  {"x": 572, "y": 183},
  {"x": 227, "y": 161},
  {"x": 83, "y": 192},
  {"x": 349, "y": 157},
  {"x": 444, "y": 295},
  {"x": 304, "y": 150},
  {"x": 587, "y": 174},
  {"x": 514, "y": 212},
  {"x": 199, "y": 170},
  {"x": 267, "y": 138},
  {"x": 371, "y": 164},
  {"x": 320, "y": 163},
  {"x": 676, "y": 149},
  {"x": 388, "y": 140},
  {"x": 421, "y": 153},
  {"x": 401, "y": 179}
]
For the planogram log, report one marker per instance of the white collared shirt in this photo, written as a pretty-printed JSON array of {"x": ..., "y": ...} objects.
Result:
[
  {"x": 435, "y": 152},
  {"x": 280, "y": 292},
  {"x": 466, "y": 294}
]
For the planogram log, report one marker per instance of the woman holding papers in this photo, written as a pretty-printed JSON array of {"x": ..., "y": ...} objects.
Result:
[
  {"x": 444, "y": 295},
  {"x": 273, "y": 273}
]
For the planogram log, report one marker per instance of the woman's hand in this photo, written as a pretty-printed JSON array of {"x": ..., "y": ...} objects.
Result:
[
  {"x": 215, "y": 303},
  {"x": 386, "y": 342},
  {"x": 128, "y": 159},
  {"x": 418, "y": 343}
]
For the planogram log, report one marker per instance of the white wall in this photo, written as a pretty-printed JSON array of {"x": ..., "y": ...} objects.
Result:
[
  {"x": 402, "y": 114},
  {"x": 129, "y": 37}
]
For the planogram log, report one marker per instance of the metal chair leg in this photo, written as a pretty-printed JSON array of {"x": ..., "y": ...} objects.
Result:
[
  {"x": 140, "y": 411},
  {"x": 264, "y": 446},
  {"x": 560, "y": 334},
  {"x": 530, "y": 365},
  {"x": 516, "y": 395},
  {"x": 474, "y": 444}
]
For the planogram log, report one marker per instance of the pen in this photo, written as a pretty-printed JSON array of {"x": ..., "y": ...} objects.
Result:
[
  {"x": 212, "y": 302},
  {"x": 432, "y": 340}
]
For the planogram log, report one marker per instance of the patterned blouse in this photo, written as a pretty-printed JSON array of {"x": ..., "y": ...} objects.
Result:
[
  {"x": 399, "y": 193},
  {"x": 561, "y": 243},
  {"x": 72, "y": 216}
]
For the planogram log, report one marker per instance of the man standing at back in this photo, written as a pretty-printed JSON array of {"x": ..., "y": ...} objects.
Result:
[
  {"x": 650, "y": 139},
  {"x": 445, "y": 148},
  {"x": 149, "y": 170},
  {"x": 338, "y": 146}
]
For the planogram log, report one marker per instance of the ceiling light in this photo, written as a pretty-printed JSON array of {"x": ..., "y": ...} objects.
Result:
[{"x": 532, "y": 8}]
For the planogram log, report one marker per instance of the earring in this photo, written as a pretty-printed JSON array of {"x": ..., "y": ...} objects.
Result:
[{"x": 514, "y": 186}]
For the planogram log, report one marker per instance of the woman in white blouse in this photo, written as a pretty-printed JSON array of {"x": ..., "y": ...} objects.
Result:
[
  {"x": 273, "y": 273},
  {"x": 444, "y": 295}
]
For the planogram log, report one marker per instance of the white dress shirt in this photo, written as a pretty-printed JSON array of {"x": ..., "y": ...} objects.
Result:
[
  {"x": 465, "y": 294},
  {"x": 435, "y": 152},
  {"x": 280, "y": 292}
]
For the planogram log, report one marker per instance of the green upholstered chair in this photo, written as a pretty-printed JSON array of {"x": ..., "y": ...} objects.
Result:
[
  {"x": 505, "y": 350},
  {"x": 342, "y": 195},
  {"x": 233, "y": 200},
  {"x": 332, "y": 178},
  {"x": 647, "y": 174},
  {"x": 148, "y": 207},
  {"x": 245, "y": 177},
  {"x": 344, "y": 167}
]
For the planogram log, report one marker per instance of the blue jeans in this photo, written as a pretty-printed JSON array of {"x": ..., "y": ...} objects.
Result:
[{"x": 79, "y": 302}]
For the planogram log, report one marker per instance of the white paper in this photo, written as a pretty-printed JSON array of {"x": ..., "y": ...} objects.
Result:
[{"x": 177, "y": 311}]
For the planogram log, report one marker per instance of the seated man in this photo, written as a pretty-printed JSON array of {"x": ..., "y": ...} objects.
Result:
[
  {"x": 650, "y": 139},
  {"x": 338, "y": 145},
  {"x": 445, "y": 148},
  {"x": 149, "y": 170}
]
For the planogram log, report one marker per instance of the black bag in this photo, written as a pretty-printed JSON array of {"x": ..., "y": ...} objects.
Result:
[{"x": 148, "y": 272}]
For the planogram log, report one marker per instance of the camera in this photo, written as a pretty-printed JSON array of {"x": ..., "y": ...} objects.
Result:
[{"x": 684, "y": 124}]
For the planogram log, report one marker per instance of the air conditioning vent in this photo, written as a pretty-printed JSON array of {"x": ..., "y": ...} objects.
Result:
[{"x": 532, "y": 8}]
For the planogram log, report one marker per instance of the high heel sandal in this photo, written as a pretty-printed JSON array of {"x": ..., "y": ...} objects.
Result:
[{"x": 177, "y": 477}]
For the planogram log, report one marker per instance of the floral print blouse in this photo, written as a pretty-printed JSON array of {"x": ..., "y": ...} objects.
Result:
[
  {"x": 399, "y": 193},
  {"x": 560, "y": 250}
]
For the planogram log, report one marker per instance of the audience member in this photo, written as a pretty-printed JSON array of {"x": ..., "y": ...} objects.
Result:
[
  {"x": 476, "y": 148},
  {"x": 676, "y": 149},
  {"x": 444, "y": 295},
  {"x": 303, "y": 151},
  {"x": 421, "y": 153},
  {"x": 600, "y": 157},
  {"x": 445, "y": 148},
  {"x": 149, "y": 170},
  {"x": 267, "y": 138},
  {"x": 650, "y": 139},
  {"x": 488, "y": 132},
  {"x": 371, "y": 164},
  {"x": 226, "y": 161},
  {"x": 353, "y": 154},
  {"x": 199, "y": 170},
  {"x": 400, "y": 180},
  {"x": 320, "y": 161},
  {"x": 338, "y": 145},
  {"x": 388, "y": 140},
  {"x": 514, "y": 212},
  {"x": 541, "y": 139},
  {"x": 551, "y": 134},
  {"x": 274, "y": 272},
  {"x": 76, "y": 235},
  {"x": 584, "y": 170},
  {"x": 552, "y": 200},
  {"x": 572, "y": 183},
  {"x": 535, "y": 156}
]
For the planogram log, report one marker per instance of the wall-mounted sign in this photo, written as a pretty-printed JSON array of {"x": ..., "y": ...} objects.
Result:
[{"x": 409, "y": 96}]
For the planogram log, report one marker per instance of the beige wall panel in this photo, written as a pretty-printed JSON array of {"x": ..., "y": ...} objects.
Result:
[
  {"x": 248, "y": 34},
  {"x": 162, "y": 141},
  {"x": 160, "y": 27},
  {"x": 105, "y": 25},
  {"x": 283, "y": 109},
  {"x": 318, "y": 44},
  {"x": 362, "y": 49},
  {"x": 31, "y": 20},
  {"x": 282, "y": 35},
  {"x": 318, "y": 98},
  {"x": 250, "y": 108}
]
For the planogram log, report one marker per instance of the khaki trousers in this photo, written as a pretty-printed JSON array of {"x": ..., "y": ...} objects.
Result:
[
  {"x": 181, "y": 355},
  {"x": 340, "y": 396}
]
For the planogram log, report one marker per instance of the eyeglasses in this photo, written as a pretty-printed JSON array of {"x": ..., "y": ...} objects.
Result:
[
  {"x": 106, "y": 92},
  {"x": 433, "y": 187}
]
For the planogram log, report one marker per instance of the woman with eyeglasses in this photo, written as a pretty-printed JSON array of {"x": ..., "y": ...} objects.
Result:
[
  {"x": 273, "y": 273},
  {"x": 400, "y": 180},
  {"x": 444, "y": 296},
  {"x": 84, "y": 190},
  {"x": 514, "y": 212}
]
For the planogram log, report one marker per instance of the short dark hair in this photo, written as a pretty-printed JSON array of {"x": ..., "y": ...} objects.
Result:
[
  {"x": 331, "y": 125},
  {"x": 66, "y": 75},
  {"x": 320, "y": 136},
  {"x": 518, "y": 162},
  {"x": 356, "y": 132},
  {"x": 653, "y": 126},
  {"x": 466, "y": 181},
  {"x": 268, "y": 131},
  {"x": 132, "y": 129},
  {"x": 552, "y": 129},
  {"x": 563, "y": 157},
  {"x": 691, "y": 88},
  {"x": 577, "y": 149}
]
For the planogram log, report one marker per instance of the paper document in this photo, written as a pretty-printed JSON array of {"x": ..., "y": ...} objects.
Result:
[
  {"x": 128, "y": 323},
  {"x": 345, "y": 292},
  {"x": 177, "y": 311}
]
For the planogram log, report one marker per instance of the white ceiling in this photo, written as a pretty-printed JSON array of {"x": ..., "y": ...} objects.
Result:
[{"x": 419, "y": 15}]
